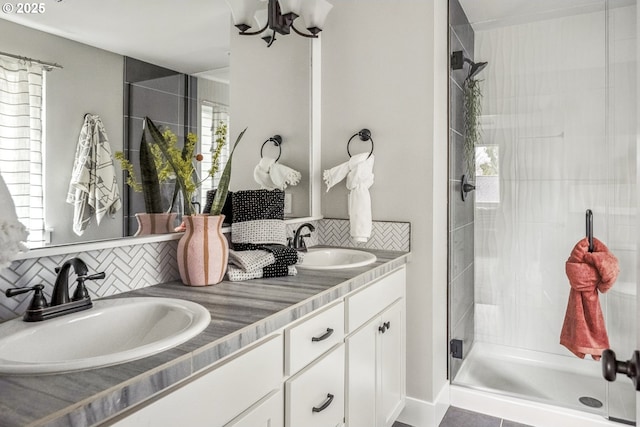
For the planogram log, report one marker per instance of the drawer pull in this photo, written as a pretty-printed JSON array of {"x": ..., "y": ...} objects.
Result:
[
  {"x": 323, "y": 336},
  {"x": 325, "y": 405}
]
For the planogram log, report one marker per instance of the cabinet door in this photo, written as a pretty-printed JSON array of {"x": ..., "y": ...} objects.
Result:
[
  {"x": 391, "y": 365},
  {"x": 269, "y": 412},
  {"x": 361, "y": 376},
  {"x": 315, "y": 396}
]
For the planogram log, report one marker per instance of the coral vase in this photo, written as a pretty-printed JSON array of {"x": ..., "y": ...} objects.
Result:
[
  {"x": 203, "y": 251},
  {"x": 159, "y": 223}
]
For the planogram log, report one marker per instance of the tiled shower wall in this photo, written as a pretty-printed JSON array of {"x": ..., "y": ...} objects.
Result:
[
  {"x": 137, "y": 266},
  {"x": 169, "y": 99},
  {"x": 461, "y": 214}
]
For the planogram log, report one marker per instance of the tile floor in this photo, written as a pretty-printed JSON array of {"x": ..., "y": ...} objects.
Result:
[{"x": 456, "y": 417}]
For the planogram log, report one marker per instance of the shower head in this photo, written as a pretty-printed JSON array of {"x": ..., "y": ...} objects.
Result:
[
  {"x": 457, "y": 62},
  {"x": 476, "y": 67}
]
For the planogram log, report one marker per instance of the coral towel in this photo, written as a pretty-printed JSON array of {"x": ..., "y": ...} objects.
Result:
[{"x": 584, "y": 331}]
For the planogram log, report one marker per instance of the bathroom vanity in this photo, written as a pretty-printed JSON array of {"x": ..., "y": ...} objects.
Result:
[{"x": 317, "y": 349}]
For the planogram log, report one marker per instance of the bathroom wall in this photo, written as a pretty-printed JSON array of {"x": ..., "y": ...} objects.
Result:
[
  {"x": 461, "y": 221},
  {"x": 560, "y": 105},
  {"x": 384, "y": 67},
  {"x": 270, "y": 94},
  {"x": 90, "y": 82}
]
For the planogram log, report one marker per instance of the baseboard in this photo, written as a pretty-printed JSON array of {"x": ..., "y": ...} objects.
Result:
[{"x": 420, "y": 413}]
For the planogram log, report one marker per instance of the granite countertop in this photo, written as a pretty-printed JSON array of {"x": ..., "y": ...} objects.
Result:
[{"x": 241, "y": 313}]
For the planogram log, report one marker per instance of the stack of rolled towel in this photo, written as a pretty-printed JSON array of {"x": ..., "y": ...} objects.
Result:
[{"x": 259, "y": 238}]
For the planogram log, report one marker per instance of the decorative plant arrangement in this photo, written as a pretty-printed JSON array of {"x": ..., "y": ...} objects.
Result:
[{"x": 472, "y": 110}]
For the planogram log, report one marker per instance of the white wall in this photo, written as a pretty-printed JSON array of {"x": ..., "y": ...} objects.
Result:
[
  {"x": 270, "y": 94},
  {"x": 384, "y": 67},
  {"x": 90, "y": 82}
]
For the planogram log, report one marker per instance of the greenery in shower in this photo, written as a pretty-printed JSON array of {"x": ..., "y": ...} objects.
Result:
[{"x": 472, "y": 109}]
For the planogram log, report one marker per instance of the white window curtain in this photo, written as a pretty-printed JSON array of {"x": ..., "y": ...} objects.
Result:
[{"x": 21, "y": 91}]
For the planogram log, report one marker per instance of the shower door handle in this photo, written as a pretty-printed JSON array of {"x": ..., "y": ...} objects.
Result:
[{"x": 611, "y": 367}]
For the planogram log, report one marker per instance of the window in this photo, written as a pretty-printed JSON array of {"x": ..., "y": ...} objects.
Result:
[
  {"x": 213, "y": 116},
  {"x": 487, "y": 174}
]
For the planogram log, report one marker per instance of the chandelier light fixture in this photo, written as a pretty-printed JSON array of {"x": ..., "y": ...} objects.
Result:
[{"x": 278, "y": 16}]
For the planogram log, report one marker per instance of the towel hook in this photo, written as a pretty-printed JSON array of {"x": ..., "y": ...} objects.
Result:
[
  {"x": 365, "y": 135},
  {"x": 277, "y": 141},
  {"x": 589, "y": 224}
]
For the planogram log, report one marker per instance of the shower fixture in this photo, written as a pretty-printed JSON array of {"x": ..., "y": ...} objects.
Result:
[{"x": 457, "y": 62}]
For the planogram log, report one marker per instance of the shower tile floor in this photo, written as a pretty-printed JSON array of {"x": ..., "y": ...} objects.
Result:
[{"x": 546, "y": 378}]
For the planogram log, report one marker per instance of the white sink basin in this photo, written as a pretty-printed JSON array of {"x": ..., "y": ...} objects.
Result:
[
  {"x": 335, "y": 258},
  {"x": 112, "y": 332}
]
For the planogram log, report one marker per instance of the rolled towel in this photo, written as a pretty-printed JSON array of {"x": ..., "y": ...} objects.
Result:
[{"x": 271, "y": 175}]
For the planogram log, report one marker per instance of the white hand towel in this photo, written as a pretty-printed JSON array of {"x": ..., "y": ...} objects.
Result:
[
  {"x": 12, "y": 231},
  {"x": 93, "y": 188},
  {"x": 271, "y": 175},
  {"x": 359, "y": 173},
  {"x": 261, "y": 173}
]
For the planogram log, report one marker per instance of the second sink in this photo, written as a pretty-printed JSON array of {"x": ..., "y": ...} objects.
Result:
[{"x": 335, "y": 258}]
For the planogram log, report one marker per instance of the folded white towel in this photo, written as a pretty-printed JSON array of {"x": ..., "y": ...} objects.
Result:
[
  {"x": 359, "y": 173},
  {"x": 251, "y": 260},
  {"x": 12, "y": 231},
  {"x": 93, "y": 187},
  {"x": 271, "y": 175}
]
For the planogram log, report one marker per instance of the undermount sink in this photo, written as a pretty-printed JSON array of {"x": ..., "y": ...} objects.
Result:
[
  {"x": 335, "y": 258},
  {"x": 113, "y": 331}
]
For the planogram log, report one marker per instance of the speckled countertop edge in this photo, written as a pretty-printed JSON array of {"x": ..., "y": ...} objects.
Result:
[{"x": 242, "y": 313}]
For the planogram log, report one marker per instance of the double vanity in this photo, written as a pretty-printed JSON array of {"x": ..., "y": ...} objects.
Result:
[{"x": 323, "y": 348}]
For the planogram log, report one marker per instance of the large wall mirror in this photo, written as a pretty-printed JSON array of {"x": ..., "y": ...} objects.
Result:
[{"x": 266, "y": 90}]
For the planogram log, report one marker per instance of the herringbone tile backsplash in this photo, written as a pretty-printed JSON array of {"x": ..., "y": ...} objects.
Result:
[{"x": 137, "y": 266}]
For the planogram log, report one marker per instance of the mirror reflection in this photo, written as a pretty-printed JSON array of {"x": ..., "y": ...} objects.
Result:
[{"x": 100, "y": 82}]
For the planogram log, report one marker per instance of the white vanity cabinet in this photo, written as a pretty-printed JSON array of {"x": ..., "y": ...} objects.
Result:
[
  {"x": 244, "y": 390},
  {"x": 376, "y": 353},
  {"x": 340, "y": 365}
]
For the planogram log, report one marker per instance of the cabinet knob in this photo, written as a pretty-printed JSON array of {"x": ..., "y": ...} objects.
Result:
[
  {"x": 323, "y": 336},
  {"x": 325, "y": 404},
  {"x": 382, "y": 329}
]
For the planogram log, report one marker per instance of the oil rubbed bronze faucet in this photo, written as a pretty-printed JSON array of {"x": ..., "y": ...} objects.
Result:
[
  {"x": 298, "y": 242},
  {"x": 61, "y": 304}
]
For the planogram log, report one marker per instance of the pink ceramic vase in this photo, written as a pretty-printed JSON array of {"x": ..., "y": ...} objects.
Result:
[
  {"x": 158, "y": 223},
  {"x": 203, "y": 251}
]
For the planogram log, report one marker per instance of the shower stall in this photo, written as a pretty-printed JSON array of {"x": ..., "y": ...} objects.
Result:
[{"x": 556, "y": 125}]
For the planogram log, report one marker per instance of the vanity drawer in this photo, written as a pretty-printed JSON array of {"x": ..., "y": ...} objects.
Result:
[
  {"x": 371, "y": 300},
  {"x": 315, "y": 396},
  {"x": 311, "y": 337},
  {"x": 214, "y": 398}
]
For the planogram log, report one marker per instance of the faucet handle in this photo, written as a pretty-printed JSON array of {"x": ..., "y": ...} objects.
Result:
[
  {"x": 37, "y": 302},
  {"x": 81, "y": 290}
]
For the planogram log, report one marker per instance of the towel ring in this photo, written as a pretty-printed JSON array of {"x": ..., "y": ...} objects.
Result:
[
  {"x": 277, "y": 141},
  {"x": 365, "y": 135}
]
